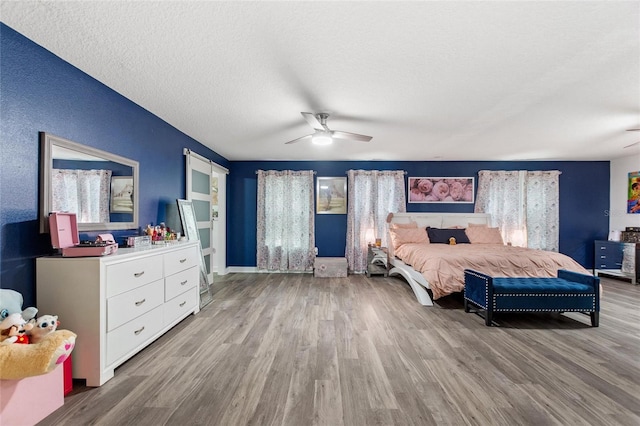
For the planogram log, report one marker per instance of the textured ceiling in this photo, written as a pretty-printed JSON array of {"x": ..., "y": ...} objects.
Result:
[{"x": 428, "y": 80}]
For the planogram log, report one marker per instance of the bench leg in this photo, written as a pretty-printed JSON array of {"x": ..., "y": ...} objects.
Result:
[
  {"x": 488, "y": 317},
  {"x": 595, "y": 317},
  {"x": 466, "y": 306}
]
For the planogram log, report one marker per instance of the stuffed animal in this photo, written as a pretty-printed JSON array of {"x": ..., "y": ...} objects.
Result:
[
  {"x": 13, "y": 329},
  {"x": 20, "y": 361},
  {"x": 43, "y": 325},
  {"x": 11, "y": 303}
]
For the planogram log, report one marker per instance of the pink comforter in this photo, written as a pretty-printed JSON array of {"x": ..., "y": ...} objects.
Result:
[{"x": 443, "y": 265}]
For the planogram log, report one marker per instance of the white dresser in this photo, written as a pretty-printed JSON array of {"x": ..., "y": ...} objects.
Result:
[{"x": 120, "y": 303}]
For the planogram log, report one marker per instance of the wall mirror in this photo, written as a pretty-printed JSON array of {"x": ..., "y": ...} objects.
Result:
[{"x": 100, "y": 187}]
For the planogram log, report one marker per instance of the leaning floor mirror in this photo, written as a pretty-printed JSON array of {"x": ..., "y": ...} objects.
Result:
[{"x": 190, "y": 230}]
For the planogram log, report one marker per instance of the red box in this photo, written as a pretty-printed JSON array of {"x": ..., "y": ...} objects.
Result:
[
  {"x": 67, "y": 375},
  {"x": 64, "y": 236}
]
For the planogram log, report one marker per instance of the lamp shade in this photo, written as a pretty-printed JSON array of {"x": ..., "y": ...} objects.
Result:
[
  {"x": 369, "y": 236},
  {"x": 322, "y": 138}
]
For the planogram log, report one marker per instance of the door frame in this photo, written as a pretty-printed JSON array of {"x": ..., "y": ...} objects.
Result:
[{"x": 219, "y": 238}]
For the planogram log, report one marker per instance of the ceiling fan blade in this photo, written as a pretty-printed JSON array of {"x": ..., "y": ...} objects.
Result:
[
  {"x": 299, "y": 139},
  {"x": 633, "y": 130},
  {"x": 313, "y": 121},
  {"x": 350, "y": 136},
  {"x": 633, "y": 144}
]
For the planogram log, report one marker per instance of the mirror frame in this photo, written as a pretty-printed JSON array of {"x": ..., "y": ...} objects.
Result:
[{"x": 47, "y": 142}]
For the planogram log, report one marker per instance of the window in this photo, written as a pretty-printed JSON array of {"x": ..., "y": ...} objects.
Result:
[
  {"x": 523, "y": 204},
  {"x": 372, "y": 195},
  {"x": 285, "y": 233}
]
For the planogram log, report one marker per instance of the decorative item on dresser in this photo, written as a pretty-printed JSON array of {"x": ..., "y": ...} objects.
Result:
[
  {"x": 377, "y": 261},
  {"x": 118, "y": 304},
  {"x": 617, "y": 260}
]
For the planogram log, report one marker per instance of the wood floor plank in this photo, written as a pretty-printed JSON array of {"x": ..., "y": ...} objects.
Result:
[{"x": 291, "y": 349}]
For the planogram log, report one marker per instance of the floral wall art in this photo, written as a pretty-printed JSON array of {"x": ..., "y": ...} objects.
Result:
[{"x": 441, "y": 190}]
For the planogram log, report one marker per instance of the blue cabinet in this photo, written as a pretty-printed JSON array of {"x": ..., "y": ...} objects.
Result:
[{"x": 617, "y": 259}]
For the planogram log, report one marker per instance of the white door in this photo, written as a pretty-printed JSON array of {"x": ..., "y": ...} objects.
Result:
[{"x": 206, "y": 184}]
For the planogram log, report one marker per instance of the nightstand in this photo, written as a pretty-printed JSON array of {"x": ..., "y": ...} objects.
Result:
[{"x": 377, "y": 261}]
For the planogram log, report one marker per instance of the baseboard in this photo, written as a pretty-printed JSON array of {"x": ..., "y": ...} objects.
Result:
[
  {"x": 242, "y": 269},
  {"x": 254, "y": 270}
]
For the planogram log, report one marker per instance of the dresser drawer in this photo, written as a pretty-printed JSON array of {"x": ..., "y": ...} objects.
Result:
[
  {"x": 180, "y": 305},
  {"x": 126, "y": 276},
  {"x": 180, "y": 282},
  {"x": 133, "y": 334},
  {"x": 180, "y": 260},
  {"x": 127, "y": 306}
]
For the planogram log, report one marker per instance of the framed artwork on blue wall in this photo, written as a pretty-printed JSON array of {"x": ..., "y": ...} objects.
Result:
[
  {"x": 633, "y": 200},
  {"x": 331, "y": 195},
  {"x": 441, "y": 190}
]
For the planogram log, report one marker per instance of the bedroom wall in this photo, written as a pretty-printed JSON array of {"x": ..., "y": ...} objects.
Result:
[
  {"x": 583, "y": 208},
  {"x": 619, "y": 219},
  {"x": 41, "y": 92}
]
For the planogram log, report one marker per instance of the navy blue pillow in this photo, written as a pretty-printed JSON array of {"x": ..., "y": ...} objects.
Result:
[{"x": 441, "y": 236}]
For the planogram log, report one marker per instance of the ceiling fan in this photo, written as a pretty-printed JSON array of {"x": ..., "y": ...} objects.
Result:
[
  {"x": 323, "y": 135},
  {"x": 633, "y": 144}
]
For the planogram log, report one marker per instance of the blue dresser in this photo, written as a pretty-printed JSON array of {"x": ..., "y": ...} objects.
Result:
[{"x": 617, "y": 259}]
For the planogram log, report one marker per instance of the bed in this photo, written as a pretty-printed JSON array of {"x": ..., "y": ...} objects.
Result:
[{"x": 440, "y": 267}]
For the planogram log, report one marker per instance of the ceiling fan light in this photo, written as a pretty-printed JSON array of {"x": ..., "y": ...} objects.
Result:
[{"x": 322, "y": 138}]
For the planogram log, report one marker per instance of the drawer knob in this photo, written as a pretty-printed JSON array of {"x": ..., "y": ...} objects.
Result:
[
  {"x": 183, "y": 303},
  {"x": 138, "y": 274},
  {"x": 183, "y": 260},
  {"x": 139, "y": 331},
  {"x": 184, "y": 282},
  {"x": 141, "y": 302}
]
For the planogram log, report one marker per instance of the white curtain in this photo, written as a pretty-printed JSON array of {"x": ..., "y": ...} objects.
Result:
[
  {"x": 285, "y": 232},
  {"x": 523, "y": 204},
  {"x": 83, "y": 192},
  {"x": 543, "y": 210},
  {"x": 372, "y": 195}
]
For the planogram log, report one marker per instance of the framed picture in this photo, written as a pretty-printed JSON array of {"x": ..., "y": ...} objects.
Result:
[
  {"x": 331, "y": 195},
  {"x": 633, "y": 193},
  {"x": 190, "y": 229},
  {"x": 121, "y": 194},
  {"x": 441, "y": 190}
]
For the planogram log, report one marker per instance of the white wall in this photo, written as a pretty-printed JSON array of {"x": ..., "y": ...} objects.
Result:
[{"x": 618, "y": 217}]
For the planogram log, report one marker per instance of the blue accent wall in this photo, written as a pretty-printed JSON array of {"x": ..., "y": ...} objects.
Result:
[
  {"x": 584, "y": 200},
  {"x": 42, "y": 93}
]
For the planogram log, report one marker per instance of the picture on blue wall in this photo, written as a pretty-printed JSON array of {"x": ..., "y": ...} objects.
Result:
[
  {"x": 633, "y": 199},
  {"x": 441, "y": 190},
  {"x": 331, "y": 195}
]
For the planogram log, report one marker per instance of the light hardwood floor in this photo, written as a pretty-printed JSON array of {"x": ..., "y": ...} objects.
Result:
[{"x": 276, "y": 349}]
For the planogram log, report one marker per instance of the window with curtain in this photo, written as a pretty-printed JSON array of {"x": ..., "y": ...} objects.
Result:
[
  {"x": 523, "y": 204},
  {"x": 83, "y": 192},
  {"x": 372, "y": 195},
  {"x": 285, "y": 230}
]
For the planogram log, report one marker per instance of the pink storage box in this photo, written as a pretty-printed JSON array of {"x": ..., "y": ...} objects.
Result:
[{"x": 64, "y": 236}]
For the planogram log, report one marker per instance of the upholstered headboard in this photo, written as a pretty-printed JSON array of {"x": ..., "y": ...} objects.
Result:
[{"x": 437, "y": 220}]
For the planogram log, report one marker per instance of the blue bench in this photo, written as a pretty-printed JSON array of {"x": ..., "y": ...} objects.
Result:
[{"x": 569, "y": 292}]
